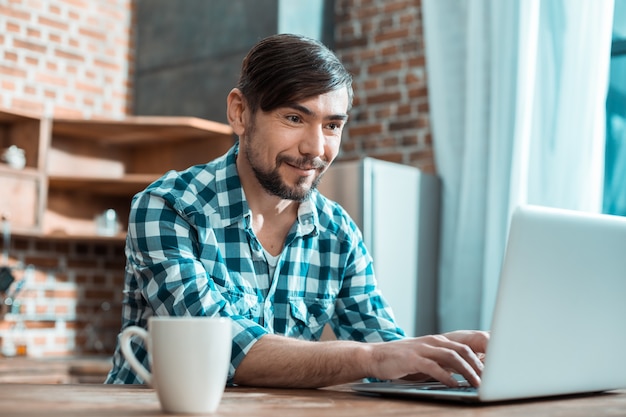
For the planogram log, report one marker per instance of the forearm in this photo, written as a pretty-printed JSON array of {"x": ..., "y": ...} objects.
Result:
[{"x": 278, "y": 361}]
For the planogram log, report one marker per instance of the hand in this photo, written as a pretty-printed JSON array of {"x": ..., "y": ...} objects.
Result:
[
  {"x": 476, "y": 340},
  {"x": 437, "y": 357}
]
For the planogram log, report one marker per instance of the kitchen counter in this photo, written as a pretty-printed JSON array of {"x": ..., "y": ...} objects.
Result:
[{"x": 57, "y": 370}]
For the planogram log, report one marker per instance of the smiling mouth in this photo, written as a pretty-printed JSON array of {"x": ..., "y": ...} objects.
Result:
[
  {"x": 308, "y": 170},
  {"x": 307, "y": 167}
]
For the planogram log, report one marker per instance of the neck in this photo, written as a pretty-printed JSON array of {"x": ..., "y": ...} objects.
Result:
[{"x": 272, "y": 216}]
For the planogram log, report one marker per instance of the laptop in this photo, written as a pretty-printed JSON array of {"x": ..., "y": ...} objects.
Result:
[{"x": 559, "y": 323}]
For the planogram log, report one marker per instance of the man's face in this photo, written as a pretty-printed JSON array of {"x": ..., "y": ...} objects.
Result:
[{"x": 290, "y": 148}]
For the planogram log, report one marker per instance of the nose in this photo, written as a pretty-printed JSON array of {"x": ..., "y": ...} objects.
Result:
[{"x": 313, "y": 143}]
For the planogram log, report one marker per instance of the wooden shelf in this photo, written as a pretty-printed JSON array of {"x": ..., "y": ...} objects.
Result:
[
  {"x": 25, "y": 172},
  {"x": 77, "y": 169},
  {"x": 135, "y": 130},
  {"x": 125, "y": 185},
  {"x": 59, "y": 236}
]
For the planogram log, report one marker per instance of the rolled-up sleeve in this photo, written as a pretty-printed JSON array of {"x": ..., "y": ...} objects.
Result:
[{"x": 163, "y": 252}]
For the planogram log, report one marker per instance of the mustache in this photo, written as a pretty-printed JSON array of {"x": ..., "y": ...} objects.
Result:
[{"x": 303, "y": 163}]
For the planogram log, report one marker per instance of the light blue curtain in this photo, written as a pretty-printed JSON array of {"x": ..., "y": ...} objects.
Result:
[
  {"x": 517, "y": 91},
  {"x": 615, "y": 170}
]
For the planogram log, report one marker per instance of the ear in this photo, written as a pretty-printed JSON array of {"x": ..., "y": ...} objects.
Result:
[{"x": 237, "y": 111}]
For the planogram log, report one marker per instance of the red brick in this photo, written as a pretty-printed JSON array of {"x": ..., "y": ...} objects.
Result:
[
  {"x": 390, "y": 50},
  {"x": 367, "y": 55},
  {"x": 7, "y": 86},
  {"x": 391, "y": 81},
  {"x": 71, "y": 294},
  {"x": 383, "y": 98},
  {"x": 99, "y": 295},
  {"x": 32, "y": 324},
  {"x": 107, "y": 64},
  {"x": 415, "y": 93},
  {"x": 54, "y": 38},
  {"x": 10, "y": 56},
  {"x": 408, "y": 18},
  {"x": 391, "y": 35},
  {"x": 6, "y": 11},
  {"x": 31, "y": 61},
  {"x": 385, "y": 67},
  {"x": 412, "y": 78},
  {"x": 33, "y": 33},
  {"x": 404, "y": 125},
  {"x": 89, "y": 88},
  {"x": 363, "y": 13},
  {"x": 39, "y": 340},
  {"x": 383, "y": 113},
  {"x": 419, "y": 61},
  {"x": 64, "y": 54},
  {"x": 347, "y": 31},
  {"x": 365, "y": 130},
  {"x": 29, "y": 46},
  {"x": 404, "y": 7},
  {"x": 42, "y": 262},
  {"x": 94, "y": 34},
  {"x": 53, "y": 23},
  {"x": 13, "y": 27},
  {"x": 51, "y": 79},
  {"x": 352, "y": 43},
  {"x": 61, "y": 310}
]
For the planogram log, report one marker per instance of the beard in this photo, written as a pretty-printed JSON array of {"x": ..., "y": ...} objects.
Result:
[{"x": 272, "y": 181}]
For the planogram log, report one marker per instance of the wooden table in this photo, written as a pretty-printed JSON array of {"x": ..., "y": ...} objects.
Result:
[
  {"x": 64, "y": 370},
  {"x": 86, "y": 400}
]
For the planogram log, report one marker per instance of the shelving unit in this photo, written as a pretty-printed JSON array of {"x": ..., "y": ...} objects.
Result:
[
  {"x": 76, "y": 168},
  {"x": 23, "y": 191}
]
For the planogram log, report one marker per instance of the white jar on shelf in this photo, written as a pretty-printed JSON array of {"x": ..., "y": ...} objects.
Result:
[{"x": 14, "y": 157}]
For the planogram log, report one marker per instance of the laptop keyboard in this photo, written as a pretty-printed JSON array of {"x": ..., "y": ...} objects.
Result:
[{"x": 450, "y": 389}]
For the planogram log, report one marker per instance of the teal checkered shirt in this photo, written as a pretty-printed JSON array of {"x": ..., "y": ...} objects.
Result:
[{"x": 191, "y": 251}]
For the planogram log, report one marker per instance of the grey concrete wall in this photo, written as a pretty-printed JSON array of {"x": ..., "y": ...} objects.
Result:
[{"x": 188, "y": 52}]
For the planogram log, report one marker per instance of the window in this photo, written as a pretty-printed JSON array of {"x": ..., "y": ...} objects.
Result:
[{"x": 615, "y": 156}]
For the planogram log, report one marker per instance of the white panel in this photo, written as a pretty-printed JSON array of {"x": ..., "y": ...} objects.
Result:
[{"x": 394, "y": 246}]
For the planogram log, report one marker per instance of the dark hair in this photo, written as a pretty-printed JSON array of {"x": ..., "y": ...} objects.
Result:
[{"x": 286, "y": 68}]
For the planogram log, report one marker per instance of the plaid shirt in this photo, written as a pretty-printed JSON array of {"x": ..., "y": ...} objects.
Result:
[{"x": 191, "y": 251}]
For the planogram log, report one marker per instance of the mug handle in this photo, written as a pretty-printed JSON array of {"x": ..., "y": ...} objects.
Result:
[{"x": 128, "y": 353}]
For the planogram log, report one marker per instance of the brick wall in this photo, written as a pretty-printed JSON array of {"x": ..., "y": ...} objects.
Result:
[
  {"x": 71, "y": 298},
  {"x": 70, "y": 57},
  {"x": 75, "y": 57},
  {"x": 381, "y": 44}
]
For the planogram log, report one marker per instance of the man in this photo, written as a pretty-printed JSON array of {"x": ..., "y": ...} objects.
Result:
[{"x": 249, "y": 237}]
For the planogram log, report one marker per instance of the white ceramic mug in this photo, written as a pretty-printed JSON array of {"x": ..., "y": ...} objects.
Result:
[{"x": 189, "y": 357}]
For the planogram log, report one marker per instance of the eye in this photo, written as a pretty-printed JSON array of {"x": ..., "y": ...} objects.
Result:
[
  {"x": 334, "y": 126},
  {"x": 294, "y": 118}
]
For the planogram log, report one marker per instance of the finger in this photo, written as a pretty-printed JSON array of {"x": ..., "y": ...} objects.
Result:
[
  {"x": 465, "y": 351},
  {"x": 461, "y": 366},
  {"x": 476, "y": 340},
  {"x": 470, "y": 357},
  {"x": 436, "y": 371},
  {"x": 452, "y": 357}
]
